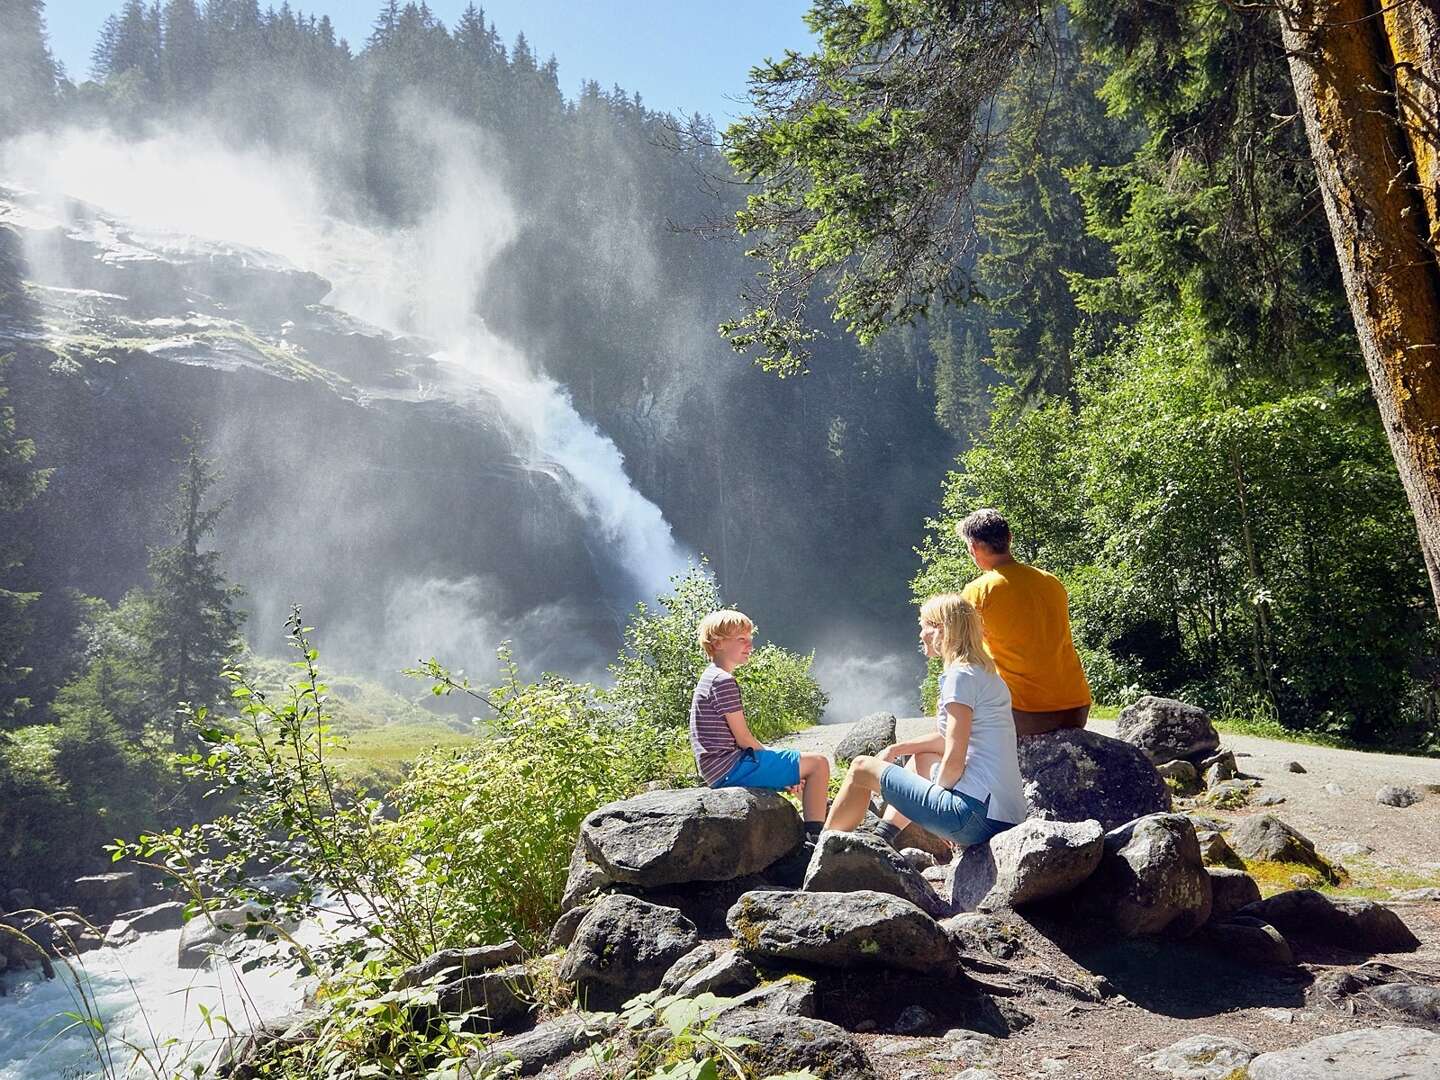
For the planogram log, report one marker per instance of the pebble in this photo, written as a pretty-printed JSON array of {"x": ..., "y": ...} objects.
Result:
[
  {"x": 1397, "y": 796},
  {"x": 1280, "y": 1016},
  {"x": 1295, "y": 767},
  {"x": 1271, "y": 800},
  {"x": 1334, "y": 788}
]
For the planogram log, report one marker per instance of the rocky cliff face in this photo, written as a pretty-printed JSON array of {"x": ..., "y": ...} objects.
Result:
[{"x": 387, "y": 498}]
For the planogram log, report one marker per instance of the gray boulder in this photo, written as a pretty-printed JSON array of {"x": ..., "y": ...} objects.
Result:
[
  {"x": 1182, "y": 776},
  {"x": 1266, "y": 837},
  {"x": 167, "y": 916},
  {"x": 787, "y": 1044},
  {"x": 497, "y": 1000},
  {"x": 206, "y": 933},
  {"x": 1230, "y": 890},
  {"x": 1397, "y": 796},
  {"x": 919, "y": 859},
  {"x": 1150, "y": 879},
  {"x": 697, "y": 959},
  {"x": 1215, "y": 851},
  {"x": 1201, "y": 1057},
  {"x": 1390, "y": 1053},
  {"x": 1420, "y": 1003},
  {"x": 696, "y": 834},
  {"x": 790, "y": 995},
  {"x": 543, "y": 1045},
  {"x": 623, "y": 947},
  {"x": 1078, "y": 775},
  {"x": 1295, "y": 767},
  {"x": 1033, "y": 861},
  {"x": 456, "y": 963},
  {"x": 563, "y": 932},
  {"x": 850, "y": 862},
  {"x": 973, "y": 932},
  {"x": 1358, "y": 925},
  {"x": 584, "y": 881},
  {"x": 728, "y": 974},
  {"x": 1250, "y": 941},
  {"x": 868, "y": 735},
  {"x": 1166, "y": 729},
  {"x": 103, "y": 896},
  {"x": 841, "y": 930}
]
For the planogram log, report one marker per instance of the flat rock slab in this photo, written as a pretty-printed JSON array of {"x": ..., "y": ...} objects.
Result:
[
  {"x": 1078, "y": 775},
  {"x": 1201, "y": 1057},
  {"x": 543, "y": 1045},
  {"x": 847, "y": 862},
  {"x": 1390, "y": 1053},
  {"x": 1166, "y": 729},
  {"x": 696, "y": 834},
  {"x": 1033, "y": 861},
  {"x": 841, "y": 930}
]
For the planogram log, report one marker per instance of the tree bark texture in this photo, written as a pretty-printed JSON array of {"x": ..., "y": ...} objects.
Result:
[{"x": 1367, "y": 79}]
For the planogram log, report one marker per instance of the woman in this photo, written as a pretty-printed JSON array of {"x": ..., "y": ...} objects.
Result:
[{"x": 963, "y": 780}]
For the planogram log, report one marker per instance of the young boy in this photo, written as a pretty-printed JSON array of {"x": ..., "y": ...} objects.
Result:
[{"x": 725, "y": 751}]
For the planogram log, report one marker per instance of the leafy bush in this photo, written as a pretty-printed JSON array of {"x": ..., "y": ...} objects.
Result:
[{"x": 657, "y": 670}]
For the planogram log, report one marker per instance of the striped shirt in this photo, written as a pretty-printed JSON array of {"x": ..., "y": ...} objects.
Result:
[{"x": 716, "y": 750}]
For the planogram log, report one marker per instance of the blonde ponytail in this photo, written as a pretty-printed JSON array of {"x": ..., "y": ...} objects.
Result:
[{"x": 962, "y": 633}]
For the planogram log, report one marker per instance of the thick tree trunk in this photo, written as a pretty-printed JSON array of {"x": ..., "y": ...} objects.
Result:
[{"x": 1366, "y": 77}]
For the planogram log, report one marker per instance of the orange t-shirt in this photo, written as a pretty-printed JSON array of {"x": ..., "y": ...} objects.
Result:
[{"x": 1027, "y": 631}]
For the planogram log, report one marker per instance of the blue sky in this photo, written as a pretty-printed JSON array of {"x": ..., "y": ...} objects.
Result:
[{"x": 684, "y": 55}]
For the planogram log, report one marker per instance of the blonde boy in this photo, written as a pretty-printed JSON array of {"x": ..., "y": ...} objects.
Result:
[{"x": 726, "y": 754}]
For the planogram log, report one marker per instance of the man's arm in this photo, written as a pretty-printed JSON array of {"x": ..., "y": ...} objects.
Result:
[{"x": 741, "y": 730}]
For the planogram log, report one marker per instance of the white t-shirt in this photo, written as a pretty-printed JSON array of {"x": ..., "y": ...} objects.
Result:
[{"x": 992, "y": 766}]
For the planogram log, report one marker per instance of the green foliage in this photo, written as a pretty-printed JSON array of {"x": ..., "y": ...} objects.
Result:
[
  {"x": 1218, "y": 543},
  {"x": 661, "y": 662},
  {"x": 20, "y": 484}
]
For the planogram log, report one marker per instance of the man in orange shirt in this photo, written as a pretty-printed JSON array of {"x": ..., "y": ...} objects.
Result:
[{"x": 1027, "y": 630}]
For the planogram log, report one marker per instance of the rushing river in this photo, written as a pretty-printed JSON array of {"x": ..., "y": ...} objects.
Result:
[{"x": 38, "y": 1041}]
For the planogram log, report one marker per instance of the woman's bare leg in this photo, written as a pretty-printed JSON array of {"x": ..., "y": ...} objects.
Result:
[{"x": 863, "y": 779}]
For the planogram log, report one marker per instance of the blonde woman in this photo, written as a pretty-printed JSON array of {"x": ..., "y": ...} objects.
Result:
[{"x": 963, "y": 779}]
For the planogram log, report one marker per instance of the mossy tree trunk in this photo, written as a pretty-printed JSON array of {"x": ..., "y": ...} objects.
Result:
[{"x": 1367, "y": 78}]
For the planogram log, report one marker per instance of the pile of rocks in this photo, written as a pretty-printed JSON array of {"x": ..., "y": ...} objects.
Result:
[{"x": 1184, "y": 747}]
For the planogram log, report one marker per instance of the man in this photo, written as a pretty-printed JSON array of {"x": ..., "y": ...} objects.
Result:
[{"x": 1027, "y": 630}]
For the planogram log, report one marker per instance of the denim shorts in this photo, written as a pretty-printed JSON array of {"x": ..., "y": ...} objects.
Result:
[
  {"x": 764, "y": 768},
  {"x": 952, "y": 815}
]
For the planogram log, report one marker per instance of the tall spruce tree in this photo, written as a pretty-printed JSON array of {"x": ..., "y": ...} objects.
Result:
[
  {"x": 20, "y": 484},
  {"x": 194, "y": 624},
  {"x": 27, "y": 70}
]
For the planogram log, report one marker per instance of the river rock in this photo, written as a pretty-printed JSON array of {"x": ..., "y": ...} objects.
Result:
[
  {"x": 205, "y": 933},
  {"x": 1267, "y": 838},
  {"x": 167, "y": 916},
  {"x": 918, "y": 860},
  {"x": 868, "y": 735},
  {"x": 1397, "y": 796},
  {"x": 1033, "y": 861},
  {"x": 786, "y": 1044},
  {"x": 1150, "y": 878},
  {"x": 498, "y": 1000},
  {"x": 841, "y": 930},
  {"x": 696, "y": 834},
  {"x": 457, "y": 963},
  {"x": 545, "y": 1044},
  {"x": 1166, "y": 729},
  {"x": 103, "y": 896},
  {"x": 1230, "y": 890},
  {"x": 1354, "y": 924},
  {"x": 1078, "y": 775},
  {"x": 1371, "y": 1054},
  {"x": 1250, "y": 941},
  {"x": 1201, "y": 1057},
  {"x": 973, "y": 932},
  {"x": 850, "y": 862},
  {"x": 623, "y": 947}
]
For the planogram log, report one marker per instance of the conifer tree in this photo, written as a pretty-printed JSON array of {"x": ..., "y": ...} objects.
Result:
[
  {"x": 27, "y": 70},
  {"x": 20, "y": 484}
]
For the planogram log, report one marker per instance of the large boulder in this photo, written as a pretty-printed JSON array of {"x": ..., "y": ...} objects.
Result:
[
  {"x": 1201, "y": 1057},
  {"x": 497, "y": 1000},
  {"x": 545, "y": 1044},
  {"x": 849, "y": 862},
  {"x": 457, "y": 963},
  {"x": 623, "y": 947},
  {"x": 775, "y": 1045},
  {"x": 1266, "y": 838},
  {"x": 1078, "y": 775},
  {"x": 1166, "y": 729},
  {"x": 103, "y": 896},
  {"x": 696, "y": 834},
  {"x": 1230, "y": 890},
  {"x": 1371, "y": 1054},
  {"x": 1035, "y": 860},
  {"x": 841, "y": 930},
  {"x": 1151, "y": 879},
  {"x": 868, "y": 735},
  {"x": 1249, "y": 941},
  {"x": 726, "y": 975},
  {"x": 206, "y": 933},
  {"x": 584, "y": 880},
  {"x": 1358, "y": 925}
]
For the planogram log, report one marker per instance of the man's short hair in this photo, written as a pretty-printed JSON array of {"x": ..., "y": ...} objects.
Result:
[{"x": 987, "y": 527}]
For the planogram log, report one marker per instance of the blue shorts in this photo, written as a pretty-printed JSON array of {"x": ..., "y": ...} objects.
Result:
[
  {"x": 763, "y": 768},
  {"x": 953, "y": 815}
]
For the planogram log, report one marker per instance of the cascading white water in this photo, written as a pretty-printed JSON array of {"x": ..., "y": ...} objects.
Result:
[{"x": 170, "y": 190}]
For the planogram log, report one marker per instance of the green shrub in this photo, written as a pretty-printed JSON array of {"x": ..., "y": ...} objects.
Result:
[{"x": 657, "y": 670}]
